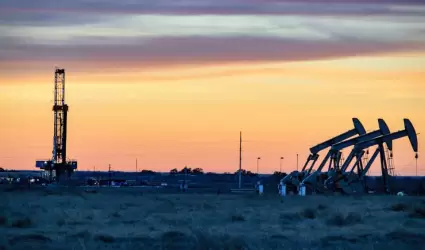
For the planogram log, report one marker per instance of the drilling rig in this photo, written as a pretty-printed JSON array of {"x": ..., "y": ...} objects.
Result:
[{"x": 58, "y": 168}]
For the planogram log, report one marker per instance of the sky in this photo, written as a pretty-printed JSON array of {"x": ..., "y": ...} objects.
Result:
[{"x": 172, "y": 83}]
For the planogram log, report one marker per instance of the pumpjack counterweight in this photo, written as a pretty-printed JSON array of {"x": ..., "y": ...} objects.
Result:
[{"x": 59, "y": 164}]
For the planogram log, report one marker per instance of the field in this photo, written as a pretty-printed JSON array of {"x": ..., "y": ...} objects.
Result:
[{"x": 130, "y": 218}]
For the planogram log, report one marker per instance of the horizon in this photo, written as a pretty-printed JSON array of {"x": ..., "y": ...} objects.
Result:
[
  {"x": 155, "y": 172},
  {"x": 173, "y": 83}
]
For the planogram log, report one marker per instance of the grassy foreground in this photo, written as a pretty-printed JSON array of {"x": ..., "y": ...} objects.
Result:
[{"x": 133, "y": 219}]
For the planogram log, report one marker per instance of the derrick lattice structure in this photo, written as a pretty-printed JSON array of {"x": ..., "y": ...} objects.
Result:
[
  {"x": 60, "y": 110},
  {"x": 58, "y": 167}
]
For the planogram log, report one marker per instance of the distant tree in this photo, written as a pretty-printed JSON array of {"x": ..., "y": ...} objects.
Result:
[
  {"x": 249, "y": 173},
  {"x": 242, "y": 171},
  {"x": 198, "y": 171},
  {"x": 279, "y": 175},
  {"x": 174, "y": 171},
  {"x": 146, "y": 171},
  {"x": 2, "y": 169},
  {"x": 245, "y": 172},
  {"x": 185, "y": 170}
]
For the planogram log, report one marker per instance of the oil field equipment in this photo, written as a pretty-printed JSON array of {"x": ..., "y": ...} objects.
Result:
[
  {"x": 58, "y": 168},
  {"x": 314, "y": 182},
  {"x": 292, "y": 180},
  {"x": 352, "y": 181}
]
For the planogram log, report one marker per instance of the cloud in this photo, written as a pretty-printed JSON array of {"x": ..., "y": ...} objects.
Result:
[
  {"x": 190, "y": 50},
  {"x": 170, "y": 32},
  {"x": 310, "y": 28},
  {"x": 214, "y": 7}
]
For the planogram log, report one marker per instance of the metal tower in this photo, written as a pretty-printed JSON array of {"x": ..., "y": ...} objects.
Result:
[
  {"x": 63, "y": 168},
  {"x": 60, "y": 110}
]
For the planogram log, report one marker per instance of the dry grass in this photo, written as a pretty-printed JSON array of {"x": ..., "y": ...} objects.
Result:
[
  {"x": 399, "y": 207},
  {"x": 415, "y": 209},
  {"x": 308, "y": 213},
  {"x": 22, "y": 223},
  {"x": 236, "y": 218},
  {"x": 129, "y": 219},
  {"x": 341, "y": 219},
  {"x": 321, "y": 207},
  {"x": 3, "y": 220},
  {"x": 418, "y": 212}
]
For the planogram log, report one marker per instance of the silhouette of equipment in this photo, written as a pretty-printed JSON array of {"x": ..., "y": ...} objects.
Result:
[{"x": 58, "y": 168}]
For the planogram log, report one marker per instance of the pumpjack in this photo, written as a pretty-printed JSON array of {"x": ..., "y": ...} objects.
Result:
[
  {"x": 352, "y": 181},
  {"x": 293, "y": 179},
  {"x": 314, "y": 182},
  {"x": 59, "y": 167}
]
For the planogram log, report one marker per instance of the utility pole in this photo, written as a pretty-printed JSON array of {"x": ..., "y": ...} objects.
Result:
[
  {"x": 240, "y": 159},
  {"x": 280, "y": 165},
  {"x": 258, "y": 164},
  {"x": 94, "y": 170},
  {"x": 185, "y": 177},
  {"x": 109, "y": 173},
  {"x": 297, "y": 162},
  {"x": 136, "y": 165}
]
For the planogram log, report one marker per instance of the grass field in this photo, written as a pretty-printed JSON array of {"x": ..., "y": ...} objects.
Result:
[{"x": 132, "y": 219}]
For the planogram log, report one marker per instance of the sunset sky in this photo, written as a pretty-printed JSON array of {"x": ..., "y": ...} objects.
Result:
[{"x": 172, "y": 82}]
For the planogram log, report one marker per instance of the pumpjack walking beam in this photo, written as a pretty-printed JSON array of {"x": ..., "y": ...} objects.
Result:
[
  {"x": 357, "y": 130},
  {"x": 294, "y": 177},
  {"x": 409, "y": 132},
  {"x": 334, "y": 155}
]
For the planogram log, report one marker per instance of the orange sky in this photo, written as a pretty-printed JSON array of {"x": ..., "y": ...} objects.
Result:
[
  {"x": 172, "y": 83},
  {"x": 168, "y": 117}
]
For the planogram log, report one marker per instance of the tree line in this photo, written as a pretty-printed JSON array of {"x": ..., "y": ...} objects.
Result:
[
  {"x": 199, "y": 171},
  {"x": 194, "y": 171},
  {"x": 187, "y": 170}
]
